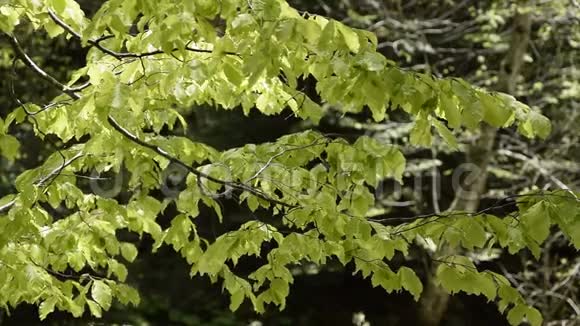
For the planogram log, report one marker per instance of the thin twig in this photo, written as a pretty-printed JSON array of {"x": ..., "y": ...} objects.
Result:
[
  {"x": 192, "y": 170},
  {"x": 281, "y": 153},
  {"x": 6, "y": 207},
  {"x": 32, "y": 65},
  {"x": 533, "y": 162},
  {"x": 60, "y": 86},
  {"x": 121, "y": 55}
]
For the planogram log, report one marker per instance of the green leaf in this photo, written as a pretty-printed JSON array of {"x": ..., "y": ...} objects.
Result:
[
  {"x": 540, "y": 124},
  {"x": 411, "y": 282},
  {"x": 178, "y": 234},
  {"x": 534, "y": 317},
  {"x": 350, "y": 37},
  {"x": 270, "y": 9},
  {"x": 236, "y": 300},
  {"x": 188, "y": 202},
  {"x": 216, "y": 255},
  {"x": 452, "y": 113},
  {"x": 361, "y": 201},
  {"x": 445, "y": 134},
  {"x": 9, "y": 17},
  {"x": 421, "y": 133},
  {"x": 129, "y": 251},
  {"x": 53, "y": 30},
  {"x": 95, "y": 309},
  {"x": 243, "y": 20},
  {"x": 101, "y": 293},
  {"x": 535, "y": 124},
  {"x": 327, "y": 36},
  {"x": 58, "y": 5},
  {"x": 118, "y": 269},
  {"x": 46, "y": 307},
  {"x": 131, "y": 72},
  {"x": 253, "y": 203},
  {"x": 474, "y": 233},
  {"x": 486, "y": 284},
  {"x": 536, "y": 221},
  {"x": 9, "y": 147},
  {"x": 127, "y": 294},
  {"x": 372, "y": 61},
  {"x": 280, "y": 290},
  {"x": 516, "y": 315},
  {"x": 494, "y": 111},
  {"x": 207, "y": 8},
  {"x": 233, "y": 74}
]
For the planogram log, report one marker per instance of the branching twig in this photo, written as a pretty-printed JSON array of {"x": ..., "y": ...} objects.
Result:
[
  {"x": 281, "y": 153},
  {"x": 537, "y": 166},
  {"x": 120, "y": 55},
  {"x": 6, "y": 207},
  {"x": 63, "y": 88},
  {"x": 192, "y": 170},
  {"x": 32, "y": 65}
]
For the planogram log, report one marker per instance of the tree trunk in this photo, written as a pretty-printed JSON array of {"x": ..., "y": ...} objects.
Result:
[{"x": 434, "y": 301}]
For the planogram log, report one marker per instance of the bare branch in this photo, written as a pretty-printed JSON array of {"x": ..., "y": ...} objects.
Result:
[{"x": 32, "y": 65}]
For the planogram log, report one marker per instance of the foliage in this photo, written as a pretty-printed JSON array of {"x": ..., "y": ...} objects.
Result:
[
  {"x": 469, "y": 39},
  {"x": 59, "y": 245}
]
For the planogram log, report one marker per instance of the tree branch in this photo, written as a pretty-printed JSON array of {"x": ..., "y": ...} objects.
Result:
[
  {"x": 121, "y": 55},
  {"x": 63, "y": 88},
  {"x": 6, "y": 207},
  {"x": 32, "y": 65},
  {"x": 533, "y": 162},
  {"x": 235, "y": 185},
  {"x": 281, "y": 153}
]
